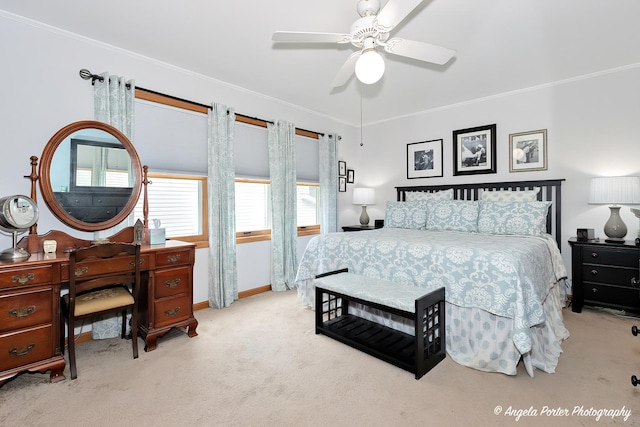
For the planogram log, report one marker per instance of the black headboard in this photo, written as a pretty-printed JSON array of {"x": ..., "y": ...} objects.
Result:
[{"x": 549, "y": 191}]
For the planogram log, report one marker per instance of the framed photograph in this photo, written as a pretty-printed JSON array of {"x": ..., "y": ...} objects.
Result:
[
  {"x": 528, "y": 151},
  {"x": 342, "y": 168},
  {"x": 474, "y": 150},
  {"x": 342, "y": 184},
  {"x": 350, "y": 174},
  {"x": 424, "y": 159}
]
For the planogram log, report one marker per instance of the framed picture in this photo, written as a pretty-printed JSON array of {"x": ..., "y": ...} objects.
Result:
[
  {"x": 342, "y": 168},
  {"x": 474, "y": 150},
  {"x": 424, "y": 159},
  {"x": 350, "y": 174},
  {"x": 342, "y": 184},
  {"x": 528, "y": 151}
]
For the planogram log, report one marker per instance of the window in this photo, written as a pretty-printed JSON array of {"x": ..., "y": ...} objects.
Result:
[{"x": 179, "y": 203}]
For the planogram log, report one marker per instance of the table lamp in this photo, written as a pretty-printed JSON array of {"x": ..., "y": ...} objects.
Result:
[
  {"x": 614, "y": 191},
  {"x": 364, "y": 197}
]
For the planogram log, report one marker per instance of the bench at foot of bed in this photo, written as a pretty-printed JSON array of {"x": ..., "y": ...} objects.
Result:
[{"x": 416, "y": 353}]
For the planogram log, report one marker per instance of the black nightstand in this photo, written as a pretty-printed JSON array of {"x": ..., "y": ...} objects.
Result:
[
  {"x": 605, "y": 275},
  {"x": 357, "y": 227}
]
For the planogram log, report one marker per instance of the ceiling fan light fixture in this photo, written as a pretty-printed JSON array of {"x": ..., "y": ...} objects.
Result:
[{"x": 370, "y": 67}]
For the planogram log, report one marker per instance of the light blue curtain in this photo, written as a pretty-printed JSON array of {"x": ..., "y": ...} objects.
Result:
[
  {"x": 328, "y": 183},
  {"x": 113, "y": 104},
  {"x": 284, "y": 230},
  {"x": 223, "y": 273}
]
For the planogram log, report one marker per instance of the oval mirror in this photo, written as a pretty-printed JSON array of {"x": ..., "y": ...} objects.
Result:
[{"x": 90, "y": 175}]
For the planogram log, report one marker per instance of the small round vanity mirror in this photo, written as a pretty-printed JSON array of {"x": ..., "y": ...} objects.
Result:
[
  {"x": 90, "y": 176},
  {"x": 17, "y": 214}
]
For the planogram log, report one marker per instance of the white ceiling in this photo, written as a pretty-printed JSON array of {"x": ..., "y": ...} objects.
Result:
[{"x": 502, "y": 45}]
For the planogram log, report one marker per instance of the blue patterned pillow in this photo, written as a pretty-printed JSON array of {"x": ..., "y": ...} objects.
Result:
[
  {"x": 412, "y": 196},
  {"x": 406, "y": 215},
  {"x": 523, "y": 218},
  {"x": 510, "y": 195},
  {"x": 452, "y": 215}
]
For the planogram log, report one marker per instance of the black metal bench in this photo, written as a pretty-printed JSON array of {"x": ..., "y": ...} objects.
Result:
[{"x": 416, "y": 353}]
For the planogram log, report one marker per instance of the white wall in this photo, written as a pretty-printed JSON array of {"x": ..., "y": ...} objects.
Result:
[
  {"x": 42, "y": 92},
  {"x": 592, "y": 131}
]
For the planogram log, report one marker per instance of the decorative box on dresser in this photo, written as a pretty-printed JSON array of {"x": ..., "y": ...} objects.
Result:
[
  {"x": 605, "y": 275},
  {"x": 29, "y": 313}
]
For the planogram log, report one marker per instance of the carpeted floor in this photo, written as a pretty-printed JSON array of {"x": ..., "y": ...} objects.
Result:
[{"x": 259, "y": 363}]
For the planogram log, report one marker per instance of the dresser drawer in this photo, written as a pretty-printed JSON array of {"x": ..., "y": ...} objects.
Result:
[
  {"x": 173, "y": 281},
  {"x": 171, "y": 310},
  {"x": 612, "y": 295},
  {"x": 22, "y": 348},
  {"x": 98, "y": 267},
  {"x": 176, "y": 257},
  {"x": 627, "y": 277},
  {"x": 26, "y": 276},
  {"x": 20, "y": 310},
  {"x": 610, "y": 256}
]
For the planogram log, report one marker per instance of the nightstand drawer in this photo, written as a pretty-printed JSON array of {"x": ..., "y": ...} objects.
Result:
[
  {"x": 627, "y": 277},
  {"x": 610, "y": 256},
  {"x": 612, "y": 295}
]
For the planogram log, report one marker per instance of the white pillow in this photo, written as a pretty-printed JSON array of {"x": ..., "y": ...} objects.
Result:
[
  {"x": 412, "y": 196},
  {"x": 510, "y": 195},
  {"x": 411, "y": 215},
  {"x": 521, "y": 218}
]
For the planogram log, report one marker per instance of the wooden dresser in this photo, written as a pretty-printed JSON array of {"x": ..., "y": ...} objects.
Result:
[{"x": 30, "y": 311}]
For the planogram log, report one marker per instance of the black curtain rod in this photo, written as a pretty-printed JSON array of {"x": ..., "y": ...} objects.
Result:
[{"x": 86, "y": 75}]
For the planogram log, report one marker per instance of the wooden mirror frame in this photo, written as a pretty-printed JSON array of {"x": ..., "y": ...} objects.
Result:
[{"x": 45, "y": 171}]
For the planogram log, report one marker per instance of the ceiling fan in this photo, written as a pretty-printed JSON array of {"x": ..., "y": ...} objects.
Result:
[{"x": 369, "y": 32}]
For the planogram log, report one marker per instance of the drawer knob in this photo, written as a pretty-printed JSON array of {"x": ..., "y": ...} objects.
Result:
[
  {"x": 634, "y": 281},
  {"x": 594, "y": 290},
  {"x": 80, "y": 271},
  {"x": 22, "y": 312},
  {"x": 594, "y": 272},
  {"x": 172, "y": 283},
  {"x": 173, "y": 258},
  {"x": 172, "y": 312},
  {"x": 594, "y": 255},
  {"x": 21, "y": 351},
  {"x": 133, "y": 263},
  {"x": 23, "y": 278}
]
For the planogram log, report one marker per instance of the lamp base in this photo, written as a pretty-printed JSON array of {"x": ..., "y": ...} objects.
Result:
[
  {"x": 364, "y": 217},
  {"x": 615, "y": 228}
]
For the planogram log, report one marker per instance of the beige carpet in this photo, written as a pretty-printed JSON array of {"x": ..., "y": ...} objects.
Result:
[{"x": 259, "y": 363}]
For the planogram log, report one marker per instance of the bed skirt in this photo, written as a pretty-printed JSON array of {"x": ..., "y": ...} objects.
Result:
[{"x": 479, "y": 339}]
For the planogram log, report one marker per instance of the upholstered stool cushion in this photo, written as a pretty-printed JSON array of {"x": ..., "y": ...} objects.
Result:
[{"x": 103, "y": 299}]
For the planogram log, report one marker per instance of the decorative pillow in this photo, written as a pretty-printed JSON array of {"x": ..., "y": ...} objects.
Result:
[
  {"x": 412, "y": 196},
  {"x": 452, "y": 215},
  {"x": 406, "y": 215},
  {"x": 523, "y": 218},
  {"x": 510, "y": 195}
]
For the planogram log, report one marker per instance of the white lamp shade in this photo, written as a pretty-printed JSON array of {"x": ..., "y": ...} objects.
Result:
[
  {"x": 615, "y": 190},
  {"x": 369, "y": 67},
  {"x": 364, "y": 196}
]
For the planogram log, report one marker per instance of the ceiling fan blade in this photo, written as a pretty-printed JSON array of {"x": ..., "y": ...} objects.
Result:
[
  {"x": 394, "y": 12},
  {"x": 347, "y": 70},
  {"x": 305, "y": 37},
  {"x": 419, "y": 50}
]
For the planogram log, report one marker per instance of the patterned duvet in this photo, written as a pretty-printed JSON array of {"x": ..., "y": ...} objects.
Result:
[{"x": 501, "y": 280}]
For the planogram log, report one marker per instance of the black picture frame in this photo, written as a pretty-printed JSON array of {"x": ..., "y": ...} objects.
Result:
[
  {"x": 474, "y": 150},
  {"x": 342, "y": 168},
  {"x": 424, "y": 159},
  {"x": 342, "y": 184},
  {"x": 350, "y": 176}
]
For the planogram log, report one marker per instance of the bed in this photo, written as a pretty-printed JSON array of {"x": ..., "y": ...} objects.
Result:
[{"x": 495, "y": 249}]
